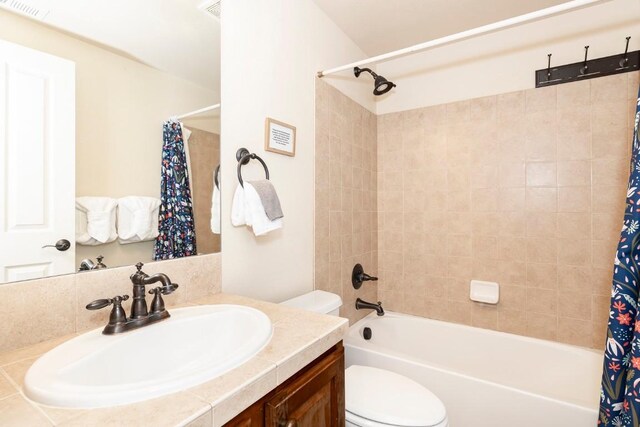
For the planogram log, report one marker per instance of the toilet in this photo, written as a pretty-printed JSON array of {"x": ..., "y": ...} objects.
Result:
[{"x": 376, "y": 397}]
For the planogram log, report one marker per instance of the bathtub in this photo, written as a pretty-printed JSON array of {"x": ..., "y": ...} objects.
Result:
[{"x": 485, "y": 378}]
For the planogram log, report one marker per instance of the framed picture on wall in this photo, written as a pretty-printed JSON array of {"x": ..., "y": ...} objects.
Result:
[{"x": 280, "y": 137}]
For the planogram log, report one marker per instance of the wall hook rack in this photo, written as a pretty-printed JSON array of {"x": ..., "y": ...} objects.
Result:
[{"x": 588, "y": 68}]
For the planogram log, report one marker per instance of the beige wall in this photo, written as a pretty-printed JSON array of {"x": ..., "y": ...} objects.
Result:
[
  {"x": 121, "y": 105},
  {"x": 346, "y": 197},
  {"x": 505, "y": 61},
  {"x": 270, "y": 55},
  {"x": 524, "y": 188}
]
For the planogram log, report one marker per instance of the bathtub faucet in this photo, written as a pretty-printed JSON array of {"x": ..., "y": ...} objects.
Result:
[{"x": 360, "y": 304}]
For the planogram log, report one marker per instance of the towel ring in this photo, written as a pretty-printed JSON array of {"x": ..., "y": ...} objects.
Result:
[
  {"x": 216, "y": 179},
  {"x": 244, "y": 156}
]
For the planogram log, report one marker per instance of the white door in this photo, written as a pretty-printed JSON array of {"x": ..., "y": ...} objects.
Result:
[{"x": 37, "y": 163}]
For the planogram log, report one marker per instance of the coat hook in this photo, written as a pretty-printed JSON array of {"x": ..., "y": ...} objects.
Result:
[
  {"x": 585, "y": 67},
  {"x": 549, "y": 67},
  {"x": 625, "y": 58}
]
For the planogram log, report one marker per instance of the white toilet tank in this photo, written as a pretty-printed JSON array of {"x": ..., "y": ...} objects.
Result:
[{"x": 317, "y": 301}]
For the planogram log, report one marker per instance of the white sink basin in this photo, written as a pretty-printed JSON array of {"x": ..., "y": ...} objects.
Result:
[{"x": 193, "y": 346}]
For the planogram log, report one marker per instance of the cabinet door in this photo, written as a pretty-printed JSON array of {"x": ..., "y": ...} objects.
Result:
[
  {"x": 253, "y": 416},
  {"x": 315, "y": 398}
]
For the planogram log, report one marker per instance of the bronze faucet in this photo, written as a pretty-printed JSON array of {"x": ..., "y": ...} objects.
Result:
[
  {"x": 140, "y": 315},
  {"x": 362, "y": 304}
]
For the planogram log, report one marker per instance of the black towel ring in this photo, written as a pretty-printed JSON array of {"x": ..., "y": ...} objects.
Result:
[
  {"x": 216, "y": 179},
  {"x": 243, "y": 156}
]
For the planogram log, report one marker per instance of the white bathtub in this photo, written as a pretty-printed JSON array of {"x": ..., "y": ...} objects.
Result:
[{"x": 484, "y": 378}]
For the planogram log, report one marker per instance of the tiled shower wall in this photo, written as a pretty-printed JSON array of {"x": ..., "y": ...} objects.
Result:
[
  {"x": 346, "y": 197},
  {"x": 526, "y": 189}
]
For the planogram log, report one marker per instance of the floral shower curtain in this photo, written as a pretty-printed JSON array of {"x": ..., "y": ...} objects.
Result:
[
  {"x": 176, "y": 226},
  {"x": 620, "y": 392}
]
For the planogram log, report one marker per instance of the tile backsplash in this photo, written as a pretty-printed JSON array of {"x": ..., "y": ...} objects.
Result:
[
  {"x": 43, "y": 309},
  {"x": 526, "y": 189}
]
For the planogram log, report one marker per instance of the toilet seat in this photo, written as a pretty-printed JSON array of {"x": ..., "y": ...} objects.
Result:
[{"x": 380, "y": 398}]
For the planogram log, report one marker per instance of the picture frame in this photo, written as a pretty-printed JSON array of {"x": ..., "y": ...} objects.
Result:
[{"x": 279, "y": 137}]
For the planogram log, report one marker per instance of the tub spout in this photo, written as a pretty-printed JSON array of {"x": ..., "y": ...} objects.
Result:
[{"x": 360, "y": 304}]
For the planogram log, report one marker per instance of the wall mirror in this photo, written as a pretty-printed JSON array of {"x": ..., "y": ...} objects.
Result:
[{"x": 109, "y": 134}]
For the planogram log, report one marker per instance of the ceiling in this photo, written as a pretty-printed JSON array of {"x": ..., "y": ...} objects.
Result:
[
  {"x": 174, "y": 36},
  {"x": 381, "y": 26}
]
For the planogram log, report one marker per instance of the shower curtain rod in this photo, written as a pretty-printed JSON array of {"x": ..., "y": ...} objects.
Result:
[
  {"x": 506, "y": 23},
  {"x": 202, "y": 110}
]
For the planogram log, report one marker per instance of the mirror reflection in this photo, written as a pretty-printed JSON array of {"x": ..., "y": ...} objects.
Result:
[{"x": 110, "y": 138}]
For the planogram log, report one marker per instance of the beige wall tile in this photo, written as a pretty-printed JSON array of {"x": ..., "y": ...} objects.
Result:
[
  {"x": 543, "y": 276},
  {"x": 574, "y": 199},
  {"x": 541, "y": 174},
  {"x": 574, "y": 173},
  {"x": 575, "y": 94},
  {"x": 541, "y": 199},
  {"x": 542, "y": 224},
  {"x": 512, "y": 321},
  {"x": 484, "y": 316},
  {"x": 576, "y": 332},
  {"x": 542, "y": 326}
]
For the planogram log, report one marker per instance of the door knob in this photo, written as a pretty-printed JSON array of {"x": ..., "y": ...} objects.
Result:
[{"x": 61, "y": 245}]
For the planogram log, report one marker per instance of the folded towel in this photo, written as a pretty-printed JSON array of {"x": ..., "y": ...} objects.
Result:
[
  {"x": 137, "y": 219},
  {"x": 269, "y": 198},
  {"x": 215, "y": 210},
  {"x": 247, "y": 210},
  {"x": 255, "y": 214},
  {"x": 237, "y": 208},
  {"x": 95, "y": 220}
]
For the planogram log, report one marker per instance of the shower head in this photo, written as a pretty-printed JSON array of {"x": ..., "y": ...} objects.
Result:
[{"x": 381, "y": 85}]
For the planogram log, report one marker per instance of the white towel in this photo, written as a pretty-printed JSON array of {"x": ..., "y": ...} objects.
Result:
[
  {"x": 215, "y": 210},
  {"x": 137, "y": 219},
  {"x": 95, "y": 220},
  {"x": 237, "y": 208},
  {"x": 247, "y": 209}
]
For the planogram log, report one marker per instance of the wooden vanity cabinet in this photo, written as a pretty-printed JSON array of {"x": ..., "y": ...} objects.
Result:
[{"x": 314, "y": 397}]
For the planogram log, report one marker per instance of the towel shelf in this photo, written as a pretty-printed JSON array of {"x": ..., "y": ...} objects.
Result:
[{"x": 243, "y": 156}]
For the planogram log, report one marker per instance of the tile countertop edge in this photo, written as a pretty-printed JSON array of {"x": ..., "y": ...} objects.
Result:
[{"x": 216, "y": 401}]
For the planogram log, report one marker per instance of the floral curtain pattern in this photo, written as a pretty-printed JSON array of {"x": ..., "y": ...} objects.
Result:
[
  {"x": 176, "y": 226},
  {"x": 620, "y": 391}
]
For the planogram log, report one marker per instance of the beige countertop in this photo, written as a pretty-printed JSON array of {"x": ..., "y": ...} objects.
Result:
[{"x": 298, "y": 338}]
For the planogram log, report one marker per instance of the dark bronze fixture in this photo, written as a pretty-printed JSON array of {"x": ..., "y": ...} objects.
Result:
[
  {"x": 243, "y": 156},
  {"x": 140, "y": 315},
  {"x": 585, "y": 67},
  {"x": 361, "y": 304},
  {"x": 358, "y": 276},
  {"x": 625, "y": 57},
  {"x": 589, "y": 68},
  {"x": 61, "y": 245},
  {"x": 366, "y": 333},
  {"x": 87, "y": 265},
  {"x": 380, "y": 84}
]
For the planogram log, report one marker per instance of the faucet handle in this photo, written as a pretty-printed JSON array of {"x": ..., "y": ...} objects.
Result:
[
  {"x": 139, "y": 266},
  {"x": 102, "y": 303}
]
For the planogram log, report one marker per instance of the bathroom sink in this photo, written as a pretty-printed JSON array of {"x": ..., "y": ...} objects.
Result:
[{"x": 194, "y": 345}]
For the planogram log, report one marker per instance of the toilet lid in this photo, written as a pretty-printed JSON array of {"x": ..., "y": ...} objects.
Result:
[{"x": 390, "y": 398}]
